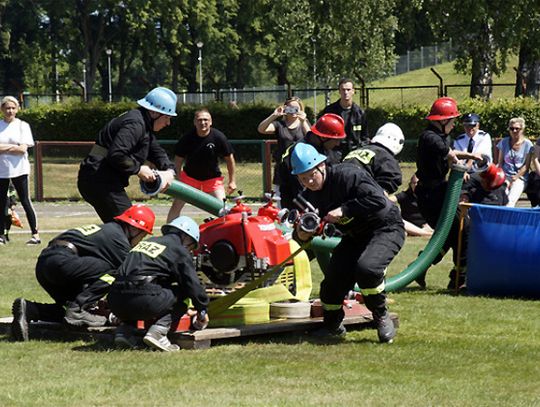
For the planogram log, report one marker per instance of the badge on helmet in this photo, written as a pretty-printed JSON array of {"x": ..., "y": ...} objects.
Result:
[
  {"x": 443, "y": 108},
  {"x": 304, "y": 158},
  {"x": 184, "y": 224},
  {"x": 329, "y": 125},
  {"x": 390, "y": 136},
  {"x": 139, "y": 216},
  {"x": 161, "y": 100}
]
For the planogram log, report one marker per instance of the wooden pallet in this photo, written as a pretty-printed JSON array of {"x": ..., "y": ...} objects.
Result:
[{"x": 189, "y": 339}]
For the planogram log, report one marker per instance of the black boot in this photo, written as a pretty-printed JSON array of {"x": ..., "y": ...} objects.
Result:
[
  {"x": 385, "y": 327},
  {"x": 19, "y": 326},
  {"x": 333, "y": 325}
]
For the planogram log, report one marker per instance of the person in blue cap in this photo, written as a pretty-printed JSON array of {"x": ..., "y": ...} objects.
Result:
[
  {"x": 474, "y": 140},
  {"x": 373, "y": 233},
  {"x": 122, "y": 148}
]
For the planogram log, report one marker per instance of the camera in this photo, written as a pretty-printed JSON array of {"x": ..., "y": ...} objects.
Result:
[{"x": 290, "y": 110}]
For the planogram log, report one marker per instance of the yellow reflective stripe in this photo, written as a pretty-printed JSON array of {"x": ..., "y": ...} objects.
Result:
[
  {"x": 331, "y": 307},
  {"x": 107, "y": 278},
  {"x": 372, "y": 291},
  {"x": 362, "y": 155}
]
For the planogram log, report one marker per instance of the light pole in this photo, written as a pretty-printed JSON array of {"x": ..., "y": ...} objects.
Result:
[
  {"x": 108, "y": 51},
  {"x": 85, "y": 98},
  {"x": 199, "y": 46},
  {"x": 314, "y": 75}
]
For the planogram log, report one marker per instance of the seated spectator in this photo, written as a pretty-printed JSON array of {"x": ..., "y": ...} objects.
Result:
[
  {"x": 515, "y": 159},
  {"x": 533, "y": 183}
]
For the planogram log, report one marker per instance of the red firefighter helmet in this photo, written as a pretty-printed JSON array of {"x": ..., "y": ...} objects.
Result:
[
  {"x": 330, "y": 125},
  {"x": 493, "y": 177},
  {"x": 139, "y": 216},
  {"x": 443, "y": 108}
]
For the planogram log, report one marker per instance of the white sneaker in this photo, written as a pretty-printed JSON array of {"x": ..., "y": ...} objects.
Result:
[{"x": 160, "y": 342}]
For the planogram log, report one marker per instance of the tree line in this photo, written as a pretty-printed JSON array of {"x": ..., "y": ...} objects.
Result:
[{"x": 53, "y": 45}]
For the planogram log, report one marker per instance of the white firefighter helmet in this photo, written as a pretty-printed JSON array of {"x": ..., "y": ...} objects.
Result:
[{"x": 390, "y": 136}]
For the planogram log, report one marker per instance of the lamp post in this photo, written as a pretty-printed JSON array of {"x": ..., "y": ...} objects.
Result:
[
  {"x": 85, "y": 98},
  {"x": 314, "y": 74},
  {"x": 199, "y": 46},
  {"x": 108, "y": 51}
]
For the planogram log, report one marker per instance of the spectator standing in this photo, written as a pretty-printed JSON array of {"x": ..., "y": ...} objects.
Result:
[
  {"x": 122, "y": 149},
  {"x": 197, "y": 156},
  {"x": 356, "y": 126},
  {"x": 289, "y": 123},
  {"x": 15, "y": 139},
  {"x": 515, "y": 159}
]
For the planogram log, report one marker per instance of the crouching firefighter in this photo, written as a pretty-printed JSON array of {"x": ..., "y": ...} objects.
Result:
[
  {"x": 77, "y": 269},
  {"x": 373, "y": 233},
  {"x": 153, "y": 283}
]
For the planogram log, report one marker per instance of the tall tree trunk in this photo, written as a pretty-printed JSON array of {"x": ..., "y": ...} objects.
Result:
[
  {"x": 528, "y": 72},
  {"x": 483, "y": 61}
]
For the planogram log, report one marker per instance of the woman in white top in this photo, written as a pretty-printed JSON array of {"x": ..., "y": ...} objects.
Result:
[
  {"x": 515, "y": 159},
  {"x": 15, "y": 139}
]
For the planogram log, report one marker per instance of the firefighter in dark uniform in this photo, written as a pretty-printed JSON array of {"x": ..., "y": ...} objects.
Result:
[
  {"x": 121, "y": 150},
  {"x": 355, "y": 119},
  {"x": 434, "y": 157},
  {"x": 373, "y": 233},
  {"x": 77, "y": 268},
  {"x": 378, "y": 157},
  {"x": 325, "y": 136},
  {"x": 154, "y": 281}
]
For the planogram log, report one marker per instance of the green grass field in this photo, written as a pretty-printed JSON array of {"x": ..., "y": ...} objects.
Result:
[{"x": 450, "y": 351}]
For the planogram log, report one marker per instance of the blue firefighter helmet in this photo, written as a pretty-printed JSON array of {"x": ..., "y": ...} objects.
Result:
[
  {"x": 161, "y": 100},
  {"x": 184, "y": 224},
  {"x": 304, "y": 158}
]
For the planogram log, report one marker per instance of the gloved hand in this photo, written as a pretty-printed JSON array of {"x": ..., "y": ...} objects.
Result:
[{"x": 199, "y": 321}]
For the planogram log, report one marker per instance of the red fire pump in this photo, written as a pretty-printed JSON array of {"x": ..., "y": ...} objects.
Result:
[{"x": 239, "y": 246}]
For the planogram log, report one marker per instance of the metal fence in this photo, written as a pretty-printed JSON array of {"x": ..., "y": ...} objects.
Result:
[{"x": 56, "y": 164}]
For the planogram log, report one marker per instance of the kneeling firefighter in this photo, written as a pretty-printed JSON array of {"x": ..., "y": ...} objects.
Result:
[
  {"x": 77, "y": 269},
  {"x": 373, "y": 233},
  {"x": 156, "y": 278}
]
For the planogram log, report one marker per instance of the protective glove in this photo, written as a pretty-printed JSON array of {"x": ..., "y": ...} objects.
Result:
[{"x": 199, "y": 321}]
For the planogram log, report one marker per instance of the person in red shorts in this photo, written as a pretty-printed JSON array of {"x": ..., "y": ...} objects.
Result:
[{"x": 198, "y": 152}]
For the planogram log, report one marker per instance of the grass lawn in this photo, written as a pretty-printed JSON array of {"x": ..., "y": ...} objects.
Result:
[{"x": 450, "y": 351}]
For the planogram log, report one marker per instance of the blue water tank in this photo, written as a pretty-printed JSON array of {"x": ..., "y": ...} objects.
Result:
[{"x": 503, "y": 257}]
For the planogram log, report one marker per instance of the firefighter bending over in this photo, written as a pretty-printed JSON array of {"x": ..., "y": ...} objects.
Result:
[
  {"x": 373, "y": 233},
  {"x": 77, "y": 269},
  {"x": 153, "y": 283}
]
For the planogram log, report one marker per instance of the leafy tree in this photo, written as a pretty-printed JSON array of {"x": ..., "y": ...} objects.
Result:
[
  {"x": 482, "y": 33},
  {"x": 528, "y": 70}
]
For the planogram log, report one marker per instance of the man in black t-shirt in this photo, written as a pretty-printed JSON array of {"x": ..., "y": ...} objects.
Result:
[{"x": 199, "y": 152}]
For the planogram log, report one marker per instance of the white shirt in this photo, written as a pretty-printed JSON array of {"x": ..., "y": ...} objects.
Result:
[
  {"x": 482, "y": 143},
  {"x": 16, "y": 132}
]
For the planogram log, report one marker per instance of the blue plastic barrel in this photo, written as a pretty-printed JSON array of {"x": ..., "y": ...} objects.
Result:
[{"x": 504, "y": 252}]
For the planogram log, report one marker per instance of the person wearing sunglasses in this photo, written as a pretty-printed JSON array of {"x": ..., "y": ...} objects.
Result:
[{"x": 515, "y": 159}]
